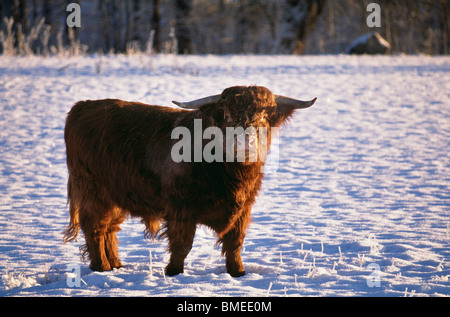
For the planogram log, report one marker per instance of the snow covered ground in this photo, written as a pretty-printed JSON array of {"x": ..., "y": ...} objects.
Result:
[{"x": 359, "y": 204}]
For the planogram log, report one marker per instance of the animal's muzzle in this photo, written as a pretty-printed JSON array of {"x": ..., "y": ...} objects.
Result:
[{"x": 245, "y": 147}]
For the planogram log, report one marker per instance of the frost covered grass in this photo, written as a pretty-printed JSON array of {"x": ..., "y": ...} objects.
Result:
[{"x": 357, "y": 205}]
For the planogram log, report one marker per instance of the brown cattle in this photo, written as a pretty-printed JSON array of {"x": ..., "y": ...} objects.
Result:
[{"x": 121, "y": 163}]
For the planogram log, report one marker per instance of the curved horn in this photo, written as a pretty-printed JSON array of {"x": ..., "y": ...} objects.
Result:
[
  {"x": 196, "y": 104},
  {"x": 293, "y": 103}
]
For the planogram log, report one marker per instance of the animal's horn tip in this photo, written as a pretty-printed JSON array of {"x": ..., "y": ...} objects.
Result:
[
  {"x": 177, "y": 103},
  {"x": 311, "y": 102}
]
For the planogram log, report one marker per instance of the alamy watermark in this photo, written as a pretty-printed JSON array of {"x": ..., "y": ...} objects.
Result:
[
  {"x": 374, "y": 279},
  {"x": 73, "y": 275},
  {"x": 74, "y": 18},
  {"x": 235, "y": 144},
  {"x": 374, "y": 18}
]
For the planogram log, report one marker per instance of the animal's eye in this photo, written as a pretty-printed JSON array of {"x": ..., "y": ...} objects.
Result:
[{"x": 227, "y": 116}]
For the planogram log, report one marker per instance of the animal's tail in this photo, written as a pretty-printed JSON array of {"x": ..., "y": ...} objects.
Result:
[{"x": 74, "y": 226}]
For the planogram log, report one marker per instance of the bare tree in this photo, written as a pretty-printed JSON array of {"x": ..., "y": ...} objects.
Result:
[
  {"x": 299, "y": 18},
  {"x": 155, "y": 25},
  {"x": 182, "y": 28}
]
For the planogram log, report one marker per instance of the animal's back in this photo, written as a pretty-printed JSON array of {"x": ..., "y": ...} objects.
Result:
[{"x": 109, "y": 146}]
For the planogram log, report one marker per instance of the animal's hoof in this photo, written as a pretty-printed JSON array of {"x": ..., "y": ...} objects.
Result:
[
  {"x": 237, "y": 274},
  {"x": 100, "y": 268},
  {"x": 171, "y": 271},
  {"x": 116, "y": 265}
]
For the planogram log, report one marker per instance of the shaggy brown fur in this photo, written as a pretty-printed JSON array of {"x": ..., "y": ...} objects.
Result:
[{"x": 119, "y": 162}]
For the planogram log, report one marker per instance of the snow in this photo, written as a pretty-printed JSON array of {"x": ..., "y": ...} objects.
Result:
[{"x": 358, "y": 204}]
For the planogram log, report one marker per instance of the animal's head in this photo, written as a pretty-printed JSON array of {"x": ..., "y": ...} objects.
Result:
[
  {"x": 252, "y": 109},
  {"x": 247, "y": 106}
]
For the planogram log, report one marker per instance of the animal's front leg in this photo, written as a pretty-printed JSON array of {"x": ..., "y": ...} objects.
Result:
[
  {"x": 181, "y": 236},
  {"x": 233, "y": 260},
  {"x": 232, "y": 244}
]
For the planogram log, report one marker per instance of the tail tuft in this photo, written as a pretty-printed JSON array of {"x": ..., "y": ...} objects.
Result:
[{"x": 73, "y": 228}]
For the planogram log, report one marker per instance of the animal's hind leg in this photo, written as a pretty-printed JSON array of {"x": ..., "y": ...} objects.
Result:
[
  {"x": 101, "y": 242},
  {"x": 181, "y": 236},
  {"x": 94, "y": 229},
  {"x": 111, "y": 247}
]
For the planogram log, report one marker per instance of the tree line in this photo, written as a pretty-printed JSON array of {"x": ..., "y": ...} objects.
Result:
[{"x": 220, "y": 26}]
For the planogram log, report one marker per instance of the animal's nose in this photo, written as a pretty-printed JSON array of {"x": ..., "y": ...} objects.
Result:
[{"x": 247, "y": 143}]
